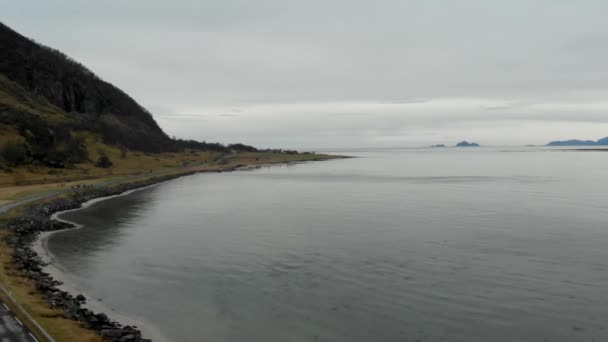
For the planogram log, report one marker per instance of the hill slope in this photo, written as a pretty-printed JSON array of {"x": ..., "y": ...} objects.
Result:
[
  {"x": 54, "y": 111},
  {"x": 70, "y": 87}
]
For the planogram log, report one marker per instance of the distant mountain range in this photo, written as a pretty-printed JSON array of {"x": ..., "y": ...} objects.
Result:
[
  {"x": 460, "y": 144},
  {"x": 574, "y": 142}
]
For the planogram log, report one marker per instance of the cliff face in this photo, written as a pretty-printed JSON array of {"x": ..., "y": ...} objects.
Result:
[{"x": 71, "y": 87}]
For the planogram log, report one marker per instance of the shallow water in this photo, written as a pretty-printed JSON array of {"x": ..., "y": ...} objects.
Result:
[{"x": 399, "y": 245}]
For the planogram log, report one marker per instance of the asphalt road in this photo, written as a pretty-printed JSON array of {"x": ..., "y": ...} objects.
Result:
[
  {"x": 8, "y": 206},
  {"x": 11, "y": 328}
]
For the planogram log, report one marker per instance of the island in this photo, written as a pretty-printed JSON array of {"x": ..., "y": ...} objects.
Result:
[
  {"x": 575, "y": 142},
  {"x": 467, "y": 144}
]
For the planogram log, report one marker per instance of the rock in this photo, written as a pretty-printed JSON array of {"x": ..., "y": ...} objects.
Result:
[
  {"x": 129, "y": 337},
  {"x": 112, "y": 333},
  {"x": 101, "y": 317}
]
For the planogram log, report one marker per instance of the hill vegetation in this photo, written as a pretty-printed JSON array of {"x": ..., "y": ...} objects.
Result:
[{"x": 55, "y": 112}]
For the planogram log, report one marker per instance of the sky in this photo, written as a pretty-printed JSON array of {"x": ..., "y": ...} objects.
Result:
[{"x": 344, "y": 73}]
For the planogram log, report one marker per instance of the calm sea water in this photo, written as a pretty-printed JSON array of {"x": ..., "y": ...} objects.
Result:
[{"x": 398, "y": 245}]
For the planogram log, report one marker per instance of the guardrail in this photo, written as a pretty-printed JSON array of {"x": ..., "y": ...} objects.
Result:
[{"x": 25, "y": 314}]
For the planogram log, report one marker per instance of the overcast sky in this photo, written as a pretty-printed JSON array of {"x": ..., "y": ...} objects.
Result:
[{"x": 344, "y": 73}]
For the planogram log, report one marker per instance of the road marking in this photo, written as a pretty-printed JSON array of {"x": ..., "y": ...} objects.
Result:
[
  {"x": 6, "y": 307},
  {"x": 18, "y": 321},
  {"x": 34, "y": 337}
]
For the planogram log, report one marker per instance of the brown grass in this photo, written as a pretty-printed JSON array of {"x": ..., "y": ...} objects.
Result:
[
  {"x": 134, "y": 163},
  {"x": 24, "y": 291}
]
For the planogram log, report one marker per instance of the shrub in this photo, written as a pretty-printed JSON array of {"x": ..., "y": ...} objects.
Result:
[
  {"x": 103, "y": 162},
  {"x": 242, "y": 148},
  {"x": 123, "y": 152},
  {"x": 55, "y": 158},
  {"x": 14, "y": 153},
  {"x": 76, "y": 150}
]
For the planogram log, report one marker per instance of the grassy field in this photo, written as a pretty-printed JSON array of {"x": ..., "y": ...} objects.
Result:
[
  {"x": 30, "y": 180},
  {"x": 133, "y": 167},
  {"x": 128, "y": 164}
]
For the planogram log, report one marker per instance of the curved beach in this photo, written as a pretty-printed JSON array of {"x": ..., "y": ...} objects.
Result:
[
  {"x": 40, "y": 246},
  {"x": 33, "y": 228}
]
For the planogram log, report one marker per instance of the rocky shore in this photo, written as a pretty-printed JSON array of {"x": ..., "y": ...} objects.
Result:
[{"x": 37, "y": 219}]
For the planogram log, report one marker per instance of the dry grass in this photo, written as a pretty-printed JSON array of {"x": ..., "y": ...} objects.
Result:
[
  {"x": 134, "y": 163},
  {"x": 24, "y": 291},
  {"x": 29, "y": 179}
]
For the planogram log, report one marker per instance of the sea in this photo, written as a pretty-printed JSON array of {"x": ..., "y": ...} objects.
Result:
[{"x": 402, "y": 244}]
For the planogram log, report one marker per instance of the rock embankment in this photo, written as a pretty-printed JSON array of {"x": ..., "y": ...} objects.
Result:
[{"x": 37, "y": 219}]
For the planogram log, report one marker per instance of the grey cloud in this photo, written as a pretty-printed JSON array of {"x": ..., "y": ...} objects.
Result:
[{"x": 537, "y": 64}]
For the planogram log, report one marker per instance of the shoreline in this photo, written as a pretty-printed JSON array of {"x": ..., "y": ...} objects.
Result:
[
  {"x": 54, "y": 268},
  {"x": 38, "y": 222}
]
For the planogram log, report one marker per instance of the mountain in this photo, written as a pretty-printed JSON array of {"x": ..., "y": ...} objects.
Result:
[
  {"x": 602, "y": 142},
  {"x": 52, "y": 109},
  {"x": 574, "y": 142},
  {"x": 467, "y": 144},
  {"x": 49, "y": 74}
]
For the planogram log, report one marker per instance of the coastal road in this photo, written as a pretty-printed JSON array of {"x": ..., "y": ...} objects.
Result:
[
  {"x": 11, "y": 328},
  {"x": 8, "y": 206}
]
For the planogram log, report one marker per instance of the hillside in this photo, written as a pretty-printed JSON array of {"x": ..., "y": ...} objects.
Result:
[
  {"x": 60, "y": 123},
  {"x": 55, "y": 112},
  {"x": 72, "y": 88}
]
